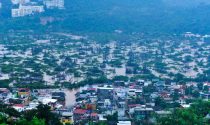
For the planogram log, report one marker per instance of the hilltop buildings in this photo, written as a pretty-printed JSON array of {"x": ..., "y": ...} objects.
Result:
[
  {"x": 26, "y": 7},
  {"x": 20, "y": 1},
  {"x": 25, "y": 10},
  {"x": 54, "y": 4}
]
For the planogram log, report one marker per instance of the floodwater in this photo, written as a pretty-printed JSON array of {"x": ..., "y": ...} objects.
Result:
[
  {"x": 70, "y": 97},
  {"x": 121, "y": 71}
]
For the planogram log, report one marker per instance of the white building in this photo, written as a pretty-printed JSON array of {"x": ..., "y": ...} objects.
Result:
[
  {"x": 20, "y": 1},
  {"x": 54, "y": 4},
  {"x": 124, "y": 123},
  {"x": 25, "y": 10}
]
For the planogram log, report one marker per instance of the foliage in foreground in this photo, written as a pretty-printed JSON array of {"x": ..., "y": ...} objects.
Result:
[
  {"x": 195, "y": 115},
  {"x": 40, "y": 116}
]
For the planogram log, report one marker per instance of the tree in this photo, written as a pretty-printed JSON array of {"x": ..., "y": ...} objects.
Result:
[
  {"x": 175, "y": 95},
  {"x": 188, "y": 90},
  {"x": 160, "y": 103},
  {"x": 42, "y": 112},
  {"x": 189, "y": 116},
  {"x": 200, "y": 86},
  {"x": 120, "y": 78},
  {"x": 12, "y": 112},
  {"x": 34, "y": 121},
  {"x": 2, "y": 120},
  {"x": 29, "y": 115},
  {"x": 206, "y": 89},
  {"x": 112, "y": 119},
  {"x": 195, "y": 94}
]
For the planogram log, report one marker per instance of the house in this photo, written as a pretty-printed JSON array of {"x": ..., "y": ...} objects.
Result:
[
  {"x": 105, "y": 98},
  {"x": 18, "y": 107},
  {"x": 160, "y": 85},
  {"x": 124, "y": 123},
  {"x": 163, "y": 113},
  {"x": 78, "y": 114},
  {"x": 13, "y": 101},
  {"x": 94, "y": 117},
  {"x": 132, "y": 92},
  {"x": 60, "y": 96},
  {"x": 90, "y": 106},
  {"x": 67, "y": 118},
  {"x": 50, "y": 102},
  {"x": 119, "y": 83},
  {"x": 23, "y": 92},
  {"x": 4, "y": 93},
  {"x": 142, "y": 113}
]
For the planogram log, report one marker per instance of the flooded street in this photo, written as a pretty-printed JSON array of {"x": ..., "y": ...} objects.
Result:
[
  {"x": 120, "y": 71},
  {"x": 70, "y": 97}
]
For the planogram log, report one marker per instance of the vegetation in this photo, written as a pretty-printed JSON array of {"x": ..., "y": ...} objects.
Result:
[
  {"x": 109, "y": 15},
  {"x": 40, "y": 116},
  {"x": 195, "y": 115}
]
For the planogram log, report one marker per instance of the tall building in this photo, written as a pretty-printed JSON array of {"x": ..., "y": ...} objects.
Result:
[
  {"x": 54, "y": 4},
  {"x": 25, "y": 10}
]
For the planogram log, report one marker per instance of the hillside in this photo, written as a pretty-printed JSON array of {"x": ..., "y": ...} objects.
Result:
[{"x": 109, "y": 15}]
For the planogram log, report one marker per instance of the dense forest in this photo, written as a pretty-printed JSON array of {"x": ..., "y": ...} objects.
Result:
[{"x": 109, "y": 15}]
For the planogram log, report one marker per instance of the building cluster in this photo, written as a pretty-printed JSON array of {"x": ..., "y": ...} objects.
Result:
[
  {"x": 135, "y": 102},
  {"x": 54, "y": 4},
  {"x": 28, "y": 7},
  {"x": 24, "y": 99},
  {"x": 160, "y": 75}
]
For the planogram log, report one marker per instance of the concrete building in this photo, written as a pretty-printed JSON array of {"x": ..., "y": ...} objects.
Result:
[
  {"x": 20, "y": 1},
  {"x": 124, "y": 123},
  {"x": 25, "y": 10},
  {"x": 54, "y": 4}
]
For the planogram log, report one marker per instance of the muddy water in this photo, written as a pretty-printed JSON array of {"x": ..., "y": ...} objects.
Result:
[{"x": 70, "y": 97}]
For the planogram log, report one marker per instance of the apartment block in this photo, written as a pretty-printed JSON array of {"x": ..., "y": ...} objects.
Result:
[
  {"x": 25, "y": 10},
  {"x": 54, "y": 4}
]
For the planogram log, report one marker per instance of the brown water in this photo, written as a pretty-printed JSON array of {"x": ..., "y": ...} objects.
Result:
[{"x": 70, "y": 97}]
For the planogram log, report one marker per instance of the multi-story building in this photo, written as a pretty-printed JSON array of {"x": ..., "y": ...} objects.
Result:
[
  {"x": 25, "y": 10},
  {"x": 54, "y": 4},
  {"x": 20, "y": 1}
]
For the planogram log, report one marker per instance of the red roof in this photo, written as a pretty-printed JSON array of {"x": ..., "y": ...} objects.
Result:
[
  {"x": 18, "y": 105},
  {"x": 4, "y": 90},
  {"x": 131, "y": 87},
  {"x": 133, "y": 105},
  {"x": 93, "y": 114},
  {"x": 80, "y": 111},
  {"x": 24, "y": 89},
  {"x": 91, "y": 89}
]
